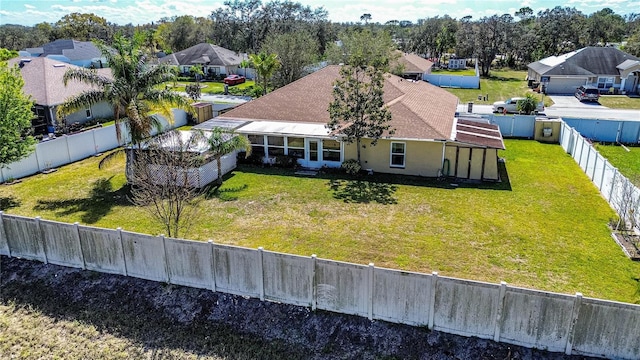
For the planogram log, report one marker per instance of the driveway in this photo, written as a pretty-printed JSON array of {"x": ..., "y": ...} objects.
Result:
[{"x": 566, "y": 101}]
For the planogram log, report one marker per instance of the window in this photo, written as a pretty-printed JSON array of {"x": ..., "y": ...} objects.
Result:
[
  {"x": 276, "y": 145},
  {"x": 330, "y": 150},
  {"x": 295, "y": 147},
  {"x": 605, "y": 82},
  {"x": 257, "y": 144},
  {"x": 88, "y": 113},
  {"x": 397, "y": 154}
]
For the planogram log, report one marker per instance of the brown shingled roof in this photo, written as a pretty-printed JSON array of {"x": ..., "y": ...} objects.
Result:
[
  {"x": 479, "y": 134},
  {"x": 414, "y": 63},
  {"x": 419, "y": 110},
  {"x": 43, "y": 80}
]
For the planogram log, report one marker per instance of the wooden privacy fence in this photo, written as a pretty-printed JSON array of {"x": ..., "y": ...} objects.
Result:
[{"x": 532, "y": 318}]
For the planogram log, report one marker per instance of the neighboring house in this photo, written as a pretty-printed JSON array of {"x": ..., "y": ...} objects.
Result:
[
  {"x": 428, "y": 141},
  {"x": 414, "y": 66},
  {"x": 79, "y": 53},
  {"x": 457, "y": 64},
  {"x": 214, "y": 59},
  {"x": 43, "y": 81},
  {"x": 602, "y": 67}
]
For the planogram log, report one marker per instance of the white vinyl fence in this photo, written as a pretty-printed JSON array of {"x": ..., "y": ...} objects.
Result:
[
  {"x": 532, "y": 318},
  {"x": 619, "y": 192},
  {"x": 70, "y": 148}
]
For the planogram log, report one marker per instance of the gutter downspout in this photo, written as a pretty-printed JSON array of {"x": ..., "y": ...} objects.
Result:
[{"x": 440, "y": 171}]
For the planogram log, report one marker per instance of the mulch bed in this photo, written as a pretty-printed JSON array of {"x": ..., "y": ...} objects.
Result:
[{"x": 627, "y": 244}]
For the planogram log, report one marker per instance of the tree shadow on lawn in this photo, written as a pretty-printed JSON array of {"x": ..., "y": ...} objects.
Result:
[
  {"x": 102, "y": 197},
  {"x": 9, "y": 202},
  {"x": 390, "y": 179},
  {"x": 360, "y": 191}
]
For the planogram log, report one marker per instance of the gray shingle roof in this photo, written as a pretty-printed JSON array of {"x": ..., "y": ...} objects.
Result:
[
  {"x": 72, "y": 49},
  {"x": 207, "y": 54},
  {"x": 43, "y": 80},
  {"x": 590, "y": 61}
]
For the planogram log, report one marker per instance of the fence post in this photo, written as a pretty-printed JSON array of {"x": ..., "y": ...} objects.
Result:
[
  {"x": 604, "y": 168},
  {"x": 613, "y": 184},
  {"x": 432, "y": 301},
  {"x": 41, "y": 239},
  {"x": 3, "y": 234},
  {"x": 76, "y": 225},
  {"x": 261, "y": 272},
  {"x": 496, "y": 329},
  {"x": 166, "y": 259},
  {"x": 124, "y": 258},
  {"x": 370, "y": 290},
  {"x": 314, "y": 288},
  {"x": 577, "y": 302},
  {"x": 595, "y": 162},
  {"x": 213, "y": 265},
  {"x": 66, "y": 140}
]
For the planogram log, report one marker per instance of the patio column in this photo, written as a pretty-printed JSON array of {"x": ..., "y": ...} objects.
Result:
[{"x": 622, "y": 81}]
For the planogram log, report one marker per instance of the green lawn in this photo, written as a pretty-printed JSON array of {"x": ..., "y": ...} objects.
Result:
[
  {"x": 501, "y": 85},
  {"x": 628, "y": 162},
  {"x": 460, "y": 72},
  {"x": 209, "y": 87},
  {"x": 546, "y": 229},
  {"x": 620, "y": 101}
]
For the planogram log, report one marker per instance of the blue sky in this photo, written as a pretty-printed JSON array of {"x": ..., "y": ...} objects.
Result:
[{"x": 30, "y": 12}]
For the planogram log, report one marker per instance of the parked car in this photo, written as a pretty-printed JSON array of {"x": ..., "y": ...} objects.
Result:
[
  {"x": 589, "y": 93},
  {"x": 511, "y": 106},
  {"x": 234, "y": 79}
]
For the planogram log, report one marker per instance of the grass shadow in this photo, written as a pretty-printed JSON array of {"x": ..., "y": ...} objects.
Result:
[
  {"x": 9, "y": 202},
  {"x": 224, "y": 194},
  {"x": 360, "y": 191},
  {"x": 99, "y": 202},
  {"x": 392, "y": 179}
]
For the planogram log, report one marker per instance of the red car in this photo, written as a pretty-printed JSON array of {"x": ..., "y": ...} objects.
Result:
[{"x": 234, "y": 79}]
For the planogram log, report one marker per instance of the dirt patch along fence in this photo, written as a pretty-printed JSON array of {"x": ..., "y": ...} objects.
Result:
[{"x": 531, "y": 318}]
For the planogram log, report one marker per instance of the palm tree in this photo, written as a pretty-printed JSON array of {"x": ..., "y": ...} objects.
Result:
[
  {"x": 244, "y": 64},
  {"x": 265, "y": 65},
  {"x": 222, "y": 142},
  {"x": 131, "y": 90}
]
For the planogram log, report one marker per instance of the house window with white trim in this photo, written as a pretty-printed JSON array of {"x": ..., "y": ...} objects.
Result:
[
  {"x": 88, "y": 111},
  {"x": 257, "y": 144},
  {"x": 276, "y": 145},
  {"x": 605, "y": 82},
  {"x": 330, "y": 150},
  {"x": 295, "y": 147},
  {"x": 398, "y": 152}
]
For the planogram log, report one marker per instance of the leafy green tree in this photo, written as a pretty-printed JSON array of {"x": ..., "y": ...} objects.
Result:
[
  {"x": 6, "y": 54},
  {"x": 633, "y": 44},
  {"x": 15, "y": 117},
  {"x": 83, "y": 27},
  {"x": 295, "y": 51},
  {"x": 358, "y": 110},
  {"x": 132, "y": 89},
  {"x": 366, "y": 18},
  {"x": 266, "y": 65},
  {"x": 362, "y": 47},
  {"x": 605, "y": 26},
  {"x": 222, "y": 142}
]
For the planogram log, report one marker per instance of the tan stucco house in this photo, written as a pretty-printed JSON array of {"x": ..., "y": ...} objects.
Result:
[
  {"x": 213, "y": 59},
  {"x": 414, "y": 66},
  {"x": 429, "y": 140}
]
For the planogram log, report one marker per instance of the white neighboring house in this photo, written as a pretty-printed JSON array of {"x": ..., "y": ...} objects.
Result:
[
  {"x": 43, "y": 81},
  {"x": 457, "y": 64}
]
